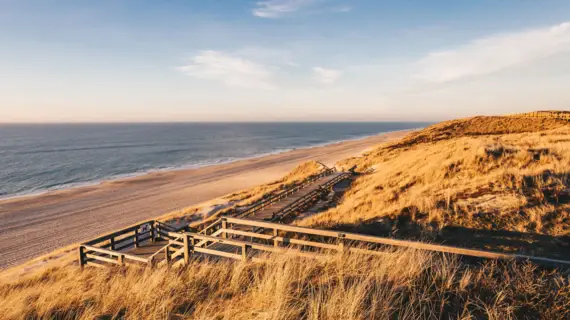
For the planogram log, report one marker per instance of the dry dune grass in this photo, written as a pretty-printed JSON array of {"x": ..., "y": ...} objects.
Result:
[
  {"x": 484, "y": 173},
  {"x": 402, "y": 285},
  {"x": 480, "y": 126},
  {"x": 462, "y": 173}
]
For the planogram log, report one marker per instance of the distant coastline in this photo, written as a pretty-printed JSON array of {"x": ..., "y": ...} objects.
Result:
[{"x": 188, "y": 166}]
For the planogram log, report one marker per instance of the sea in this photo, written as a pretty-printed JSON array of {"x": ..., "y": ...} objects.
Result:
[{"x": 35, "y": 158}]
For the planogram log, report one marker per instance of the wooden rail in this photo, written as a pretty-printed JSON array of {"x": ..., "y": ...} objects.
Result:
[
  {"x": 278, "y": 238},
  {"x": 227, "y": 238},
  {"x": 108, "y": 248},
  {"x": 293, "y": 207},
  {"x": 308, "y": 198},
  {"x": 282, "y": 195},
  {"x": 353, "y": 242},
  {"x": 271, "y": 200}
]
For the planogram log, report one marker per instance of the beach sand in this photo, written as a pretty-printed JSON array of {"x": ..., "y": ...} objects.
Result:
[{"x": 35, "y": 225}]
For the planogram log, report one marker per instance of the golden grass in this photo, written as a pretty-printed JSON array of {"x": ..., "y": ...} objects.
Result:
[
  {"x": 471, "y": 173},
  {"x": 483, "y": 173},
  {"x": 406, "y": 284}
]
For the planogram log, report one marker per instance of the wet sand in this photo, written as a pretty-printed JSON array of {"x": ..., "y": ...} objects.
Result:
[{"x": 35, "y": 225}]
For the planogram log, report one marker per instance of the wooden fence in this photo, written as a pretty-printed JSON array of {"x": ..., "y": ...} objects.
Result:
[
  {"x": 274, "y": 237},
  {"x": 282, "y": 195},
  {"x": 231, "y": 240},
  {"x": 310, "y": 197},
  {"x": 109, "y": 248},
  {"x": 228, "y": 237}
]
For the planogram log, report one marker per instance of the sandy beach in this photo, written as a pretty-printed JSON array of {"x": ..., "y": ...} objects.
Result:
[{"x": 35, "y": 225}]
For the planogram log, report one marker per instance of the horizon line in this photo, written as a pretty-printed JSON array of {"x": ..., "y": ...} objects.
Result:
[{"x": 213, "y": 122}]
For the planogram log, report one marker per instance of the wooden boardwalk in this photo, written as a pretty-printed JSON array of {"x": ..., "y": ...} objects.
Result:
[
  {"x": 269, "y": 213},
  {"x": 298, "y": 201},
  {"x": 155, "y": 243},
  {"x": 150, "y": 242}
]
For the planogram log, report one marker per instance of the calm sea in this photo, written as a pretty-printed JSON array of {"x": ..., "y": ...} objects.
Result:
[{"x": 37, "y": 158}]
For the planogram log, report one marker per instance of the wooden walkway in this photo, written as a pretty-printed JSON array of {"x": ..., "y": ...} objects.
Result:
[
  {"x": 292, "y": 205},
  {"x": 270, "y": 212},
  {"x": 150, "y": 242},
  {"x": 155, "y": 243}
]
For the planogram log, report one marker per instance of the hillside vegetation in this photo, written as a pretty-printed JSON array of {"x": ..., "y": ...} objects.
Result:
[
  {"x": 402, "y": 285},
  {"x": 496, "y": 175},
  {"x": 499, "y": 183}
]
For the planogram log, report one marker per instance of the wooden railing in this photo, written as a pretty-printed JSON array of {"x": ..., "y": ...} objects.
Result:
[
  {"x": 107, "y": 248},
  {"x": 293, "y": 207},
  {"x": 317, "y": 240},
  {"x": 232, "y": 241},
  {"x": 282, "y": 195},
  {"x": 89, "y": 254},
  {"x": 308, "y": 198}
]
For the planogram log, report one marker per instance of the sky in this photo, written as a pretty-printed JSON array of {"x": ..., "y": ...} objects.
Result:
[{"x": 281, "y": 60}]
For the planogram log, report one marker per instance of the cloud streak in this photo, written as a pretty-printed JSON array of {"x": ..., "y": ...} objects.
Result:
[
  {"x": 279, "y": 8},
  {"x": 493, "y": 54},
  {"x": 230, "y": 70},
  {"x": 326, "y": 76}
]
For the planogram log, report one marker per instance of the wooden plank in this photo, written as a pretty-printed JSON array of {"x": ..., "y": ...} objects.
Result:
[
  {"x": 117, "y": 233},
  {"x": 282, "y": 227},
  {"x": 283, "y": 239},
  {"x": 96, "y": 257},
  {"x": 175, "y": 235},
  {"x": 124, "y": 236},
  {"x": 204, "y": 242},
  {"x": 399, "y": 243},
  {"x": 177, "y": 253},
  {"x": 218, "y": 253},
  {"x": 285, "y": 194},
  {"x": 135, "y": 258},
  {"x": 141, "y": 239},
  {"x": 179, "y": 243},
  {"x": 105, "y": 251}
]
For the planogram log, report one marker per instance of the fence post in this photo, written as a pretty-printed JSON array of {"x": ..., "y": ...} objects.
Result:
[
  {"x": 224, "y": 226},
  {"x": 82, "y": 261},
  {"x": 341, "y": 242},
  {"x": 167, "y": 254},
  {"x": 152, "y": 229},
  {"x": 275, "y": 242},
  {"x": 136, "y": 239},
  {"x": 186, "y": 248},
  {"x": 113, "y": 243},
  {"x": 122, "y": 259},
  {"x": 244, "y": 251}
]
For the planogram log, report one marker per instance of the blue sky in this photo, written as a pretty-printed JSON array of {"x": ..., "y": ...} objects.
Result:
[{"x": 280, "y": 60}]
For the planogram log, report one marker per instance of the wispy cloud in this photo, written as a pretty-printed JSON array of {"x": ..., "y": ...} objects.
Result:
[
  {"x": 326, "y": 76},
  {"x": 230, "y": 70},
  {"x": 495, "y": 53},
  {"x": 280, "y": 8}
]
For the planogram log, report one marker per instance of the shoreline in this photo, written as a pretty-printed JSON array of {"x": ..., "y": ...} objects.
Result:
[
  {"x": 125, "y": 176},
  {"x": 47, "y": 222}
]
